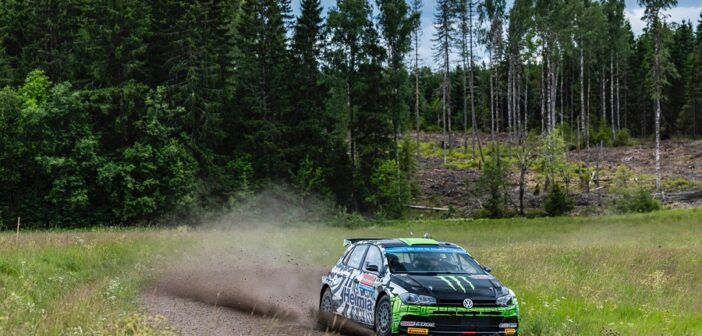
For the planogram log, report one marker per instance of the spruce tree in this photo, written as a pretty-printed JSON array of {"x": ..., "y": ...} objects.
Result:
[{"x": 260, "y": 60}]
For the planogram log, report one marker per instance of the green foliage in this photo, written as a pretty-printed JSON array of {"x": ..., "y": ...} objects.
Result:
[
  {"x": 637, "y": 199},
  {"x": 553, "y": 156},
  {"x": 155, "y": 174},
  {"x": 389, "y": 195},
  {"x": 557, "y": 201},
  {"x": 622, "y": 138},
  {"x": 492, "y": 186},
  {"x": 308, "y": 178},
  {"x": 633, "y": 193}
]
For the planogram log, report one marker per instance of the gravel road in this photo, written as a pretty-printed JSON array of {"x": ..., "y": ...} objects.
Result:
[{"x": 190, "y": 317}]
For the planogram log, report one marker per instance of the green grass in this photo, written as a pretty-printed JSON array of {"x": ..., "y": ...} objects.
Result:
[
  {"x": 75, "y": 283},
  {"x": 618, "y": 275}
]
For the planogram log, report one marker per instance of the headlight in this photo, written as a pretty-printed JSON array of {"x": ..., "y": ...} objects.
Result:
[
  {"x": 505, "y": 297},
  {"x": 423, "y": 300}
]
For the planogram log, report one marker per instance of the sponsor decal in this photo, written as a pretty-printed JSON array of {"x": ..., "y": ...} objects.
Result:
[
  {"x": 458, "y": 280},
  {"x": 447, "y": 281},
  {"x": 366, "y": 281},
  {"x": 362, "y": 300},
  {"x": 438, "y": 249},
  {"x": 417, "y": 324}
]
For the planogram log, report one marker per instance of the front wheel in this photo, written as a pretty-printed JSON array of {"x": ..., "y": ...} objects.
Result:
[
  {"x": 326, "y": 308},
  {"x": 383, "y": 317}
]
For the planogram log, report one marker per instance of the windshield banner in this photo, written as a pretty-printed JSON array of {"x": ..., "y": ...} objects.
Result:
[{"x": 411, "y": 249}]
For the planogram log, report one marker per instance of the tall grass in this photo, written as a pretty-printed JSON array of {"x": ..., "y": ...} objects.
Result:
[{"x": 75, "y": 283}]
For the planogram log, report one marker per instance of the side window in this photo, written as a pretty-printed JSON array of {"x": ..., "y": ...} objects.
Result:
[
  {"x": 345, "y": 261},
  {"x": 357, "y": 256},
  {"x": 374, "y": 257}
]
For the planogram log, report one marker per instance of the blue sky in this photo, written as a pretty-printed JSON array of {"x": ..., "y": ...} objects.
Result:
[{"x": 685, "y": 10}]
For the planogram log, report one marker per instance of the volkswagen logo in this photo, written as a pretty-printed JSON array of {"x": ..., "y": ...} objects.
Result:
[{"x": 468, "y": 303}]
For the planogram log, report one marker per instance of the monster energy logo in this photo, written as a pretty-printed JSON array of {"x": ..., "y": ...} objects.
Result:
[{"x": 458, "y": 280}]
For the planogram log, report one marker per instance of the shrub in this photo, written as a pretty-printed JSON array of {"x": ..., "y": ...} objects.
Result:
[
  {"x": 622, "y": 137},
  {"x": 557, "y": 201},
  {"x": 388, "y": 195},
  {"x": 308, "y": 178},
  {"x": 638, "y": 200},
  {"x": 491, "y": 184}
]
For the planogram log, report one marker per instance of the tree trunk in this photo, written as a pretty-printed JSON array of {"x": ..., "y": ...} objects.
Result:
[
  {"x": 611, "y": 92},
  {"x": 543, "y": 98},
  {"x": 492, "y": 102},
  {"x": 618, "y": 101},
  {"x": 443, "y": 115},
  {"x": 509, "y": 106},
  {"x": 658, "y": 145},
  {"x": 603, "y": 96},
  {"x": 447, "y": 71},
  {"x": 582, "y": 93},
  {"x": 416, "y": 84}
]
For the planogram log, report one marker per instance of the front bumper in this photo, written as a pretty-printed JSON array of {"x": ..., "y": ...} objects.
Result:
[{"x": 454, "y": 320}]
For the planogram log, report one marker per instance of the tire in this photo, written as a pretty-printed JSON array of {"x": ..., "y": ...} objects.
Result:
[
  {"x": 383, "y": 317},
  {"x": 326, "y": 309}
]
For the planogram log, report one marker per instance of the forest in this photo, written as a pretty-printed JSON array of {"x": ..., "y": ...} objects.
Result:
[{"x": 120, "y": 113}]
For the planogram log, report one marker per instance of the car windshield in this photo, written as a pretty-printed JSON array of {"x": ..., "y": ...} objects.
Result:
[{"x": 431, "y": 260}]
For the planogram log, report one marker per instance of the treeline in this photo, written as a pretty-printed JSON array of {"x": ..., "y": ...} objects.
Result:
[
  {"x": 575, "y": 64},
  {"x": 121, "y": 112}
]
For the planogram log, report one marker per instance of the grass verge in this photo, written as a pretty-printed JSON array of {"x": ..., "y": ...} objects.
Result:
[{"x": 79, "y": 283}]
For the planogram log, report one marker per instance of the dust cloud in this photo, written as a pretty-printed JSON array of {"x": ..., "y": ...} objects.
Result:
[{"x": 236, "y": 263}]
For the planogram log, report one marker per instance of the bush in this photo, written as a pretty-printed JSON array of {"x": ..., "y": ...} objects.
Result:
[
  {"x": 557, "y": 201},
  {"x": 622, "y": 138},
  {"x": 639, "y": 200},
  {"x": 491, "y": 184},
  {"x": 388, "y": 195}
]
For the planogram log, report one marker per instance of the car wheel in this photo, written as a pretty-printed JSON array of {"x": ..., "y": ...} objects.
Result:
[
  {"x": 383, "y": 317},
  {"x": 326, "y": 308}
]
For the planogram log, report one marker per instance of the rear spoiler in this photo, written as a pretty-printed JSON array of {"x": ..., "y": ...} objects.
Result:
[{"x": 349, "y": 241}]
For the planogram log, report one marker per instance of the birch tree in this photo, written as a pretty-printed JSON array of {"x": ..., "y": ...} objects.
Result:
[{"x": 660, "y": 65}]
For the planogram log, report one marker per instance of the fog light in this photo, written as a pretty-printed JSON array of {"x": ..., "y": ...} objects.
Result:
[
  {"x": 510, "y": 331},
  {"x": 418, "y": 331}
]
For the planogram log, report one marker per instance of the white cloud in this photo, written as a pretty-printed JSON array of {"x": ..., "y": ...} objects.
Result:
[{"x": 677, "y": 14}]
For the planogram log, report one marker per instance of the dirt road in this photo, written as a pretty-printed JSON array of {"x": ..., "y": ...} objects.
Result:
[
  {"x": 190, "y": 317},
  {"x": 240, "y": 296}
]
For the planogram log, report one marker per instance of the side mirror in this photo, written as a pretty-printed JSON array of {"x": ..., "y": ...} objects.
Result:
[
  {"x": 372, "y": 268},
  {"x": 487, "y": 269}
]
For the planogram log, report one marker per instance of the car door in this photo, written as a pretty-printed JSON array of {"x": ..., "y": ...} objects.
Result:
[
  {"x": 350, "y": 301},
  {"x": 368, "y": 284}
]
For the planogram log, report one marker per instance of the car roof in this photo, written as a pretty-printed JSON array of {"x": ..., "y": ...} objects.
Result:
[{"x": 399, "y": 242}]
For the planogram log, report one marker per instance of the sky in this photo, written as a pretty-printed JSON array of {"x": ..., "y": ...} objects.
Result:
[{"x": 685, "y": 10}]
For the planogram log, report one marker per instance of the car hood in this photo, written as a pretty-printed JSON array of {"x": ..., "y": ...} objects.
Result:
[{"x": 452, "y": 288}]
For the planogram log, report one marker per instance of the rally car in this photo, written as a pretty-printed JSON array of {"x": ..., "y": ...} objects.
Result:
[{"x": 417, "y": 286}]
